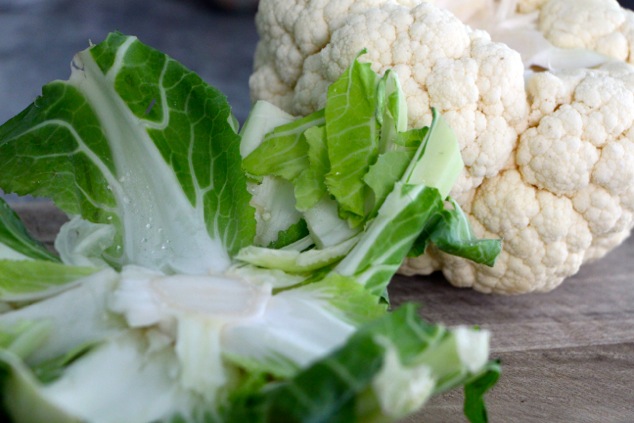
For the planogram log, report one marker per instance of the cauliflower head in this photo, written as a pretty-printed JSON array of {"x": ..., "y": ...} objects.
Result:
[
  {"x": 546, "y": 128},
  {"x": 599, "y": 25}
]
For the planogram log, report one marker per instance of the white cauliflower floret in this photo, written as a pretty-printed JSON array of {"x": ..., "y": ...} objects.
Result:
[
  {"x": 290, "y": 31},
  {"x": 546, "y": 130},
  {"x": 599, "y": 25},
  {"x": 570, "y": 198},
  {"x": 544, "y": 237},
  {"x": 598, "y": 150}
]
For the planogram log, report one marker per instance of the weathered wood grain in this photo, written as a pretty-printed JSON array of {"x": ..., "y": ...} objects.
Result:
[
  {"x": 594, "y": 307},
  {"x": 591, "y": 384},
  {"x": 567, "y": 355}
]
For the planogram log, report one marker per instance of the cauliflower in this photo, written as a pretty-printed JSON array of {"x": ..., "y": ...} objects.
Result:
[
  {"x": 545, "y": 117},
  {"x": 599, "y": 25}
]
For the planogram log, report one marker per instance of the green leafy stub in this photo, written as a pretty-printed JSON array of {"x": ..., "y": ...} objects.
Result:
[
  {"x": 364, "y": 171},
  {"x": 380, "y": 251},
  {"x": 452, "y": 233},
  {"x": 284, "y": 149},
  {"x": 27, "y": 280},
  {"x": 353, "y": 137},
  {"x": 15, "y": 241},
  {"x": 475, "y": 389},
  {"x": 135, "y": 140},
  {"x": 370, "y": 377},
  {"x": 310, "y": 185}
]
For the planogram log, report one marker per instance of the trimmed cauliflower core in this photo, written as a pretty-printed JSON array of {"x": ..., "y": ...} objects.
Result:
[{"x": 540, "y": 97}]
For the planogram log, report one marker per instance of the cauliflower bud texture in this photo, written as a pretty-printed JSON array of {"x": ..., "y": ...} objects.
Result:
[{"x": 546, "y": 129}]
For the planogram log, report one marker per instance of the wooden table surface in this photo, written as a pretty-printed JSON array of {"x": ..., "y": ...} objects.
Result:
[{"x": 567, "y": 356}]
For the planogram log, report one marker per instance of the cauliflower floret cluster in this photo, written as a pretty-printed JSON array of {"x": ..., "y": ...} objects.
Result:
[
  {"x": 599, "y": 25},
  {"x": 546, "y": 126}
]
